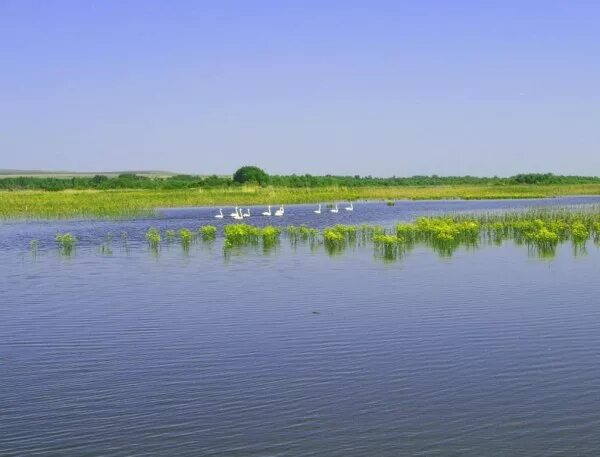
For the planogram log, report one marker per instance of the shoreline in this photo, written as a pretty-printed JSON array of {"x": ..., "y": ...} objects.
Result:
[{"x": 35, "y": 204}]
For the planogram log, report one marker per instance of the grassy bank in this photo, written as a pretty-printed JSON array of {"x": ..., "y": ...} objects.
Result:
[{"x": 116, "y": 203}]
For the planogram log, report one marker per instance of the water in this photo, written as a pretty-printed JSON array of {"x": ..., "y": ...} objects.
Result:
[{"x": 296, "y": 353}]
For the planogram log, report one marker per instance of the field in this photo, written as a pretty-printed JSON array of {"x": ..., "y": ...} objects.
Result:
[{"x": 117, "y": 203}]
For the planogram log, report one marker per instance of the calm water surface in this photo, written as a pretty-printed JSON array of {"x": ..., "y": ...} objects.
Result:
[{"x": 295, "y": 353}]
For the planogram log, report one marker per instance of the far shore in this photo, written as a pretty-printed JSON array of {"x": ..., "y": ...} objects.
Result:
[{"x": 128, "y": 202}]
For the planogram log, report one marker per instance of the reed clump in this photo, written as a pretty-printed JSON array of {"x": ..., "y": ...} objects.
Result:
[
  {"x": 248, "y": 235},
  {"x": 301, "y": 232},
  {"x": 153, "y": 237},
  {"x": 338, "y": 237},
  {"x": 208, "y": 232},
  {"x": 66, "y": 243},
  {"x": 389, "y": 247},
  {"x": 187, "y": 237}
]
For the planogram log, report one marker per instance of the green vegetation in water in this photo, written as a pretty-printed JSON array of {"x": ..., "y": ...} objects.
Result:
[
  {"x": 239, "y": 235},
  {"x": 106, "y": 246},
  {"x": 338, "y": 237},
  {"x": 541, "y": 231},
  {"x": 34, "y": 247},
  {"x": 66, "y": 243},
  {"x": 170, "y": 235},
  {"x": 187, "y": 237},
  {"x": 208, "y": 232},
  {"x": 153, "y": 237}
]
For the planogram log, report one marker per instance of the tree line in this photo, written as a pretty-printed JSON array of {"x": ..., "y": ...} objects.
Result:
[{"x": 254, "y": 175}]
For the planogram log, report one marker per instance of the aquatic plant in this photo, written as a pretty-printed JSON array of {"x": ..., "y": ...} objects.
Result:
[
  {"x": 170, "y": 235},
  {"x": 248, "y": 235},
  {"x": 153, "y": 237},
  {"x": 579, "y": 232},
  {"x": 270, "y": 236},
  {"x": 406, "y": 233},
  {"x": 33, "y": 246},
  {"x": 366, "y": 232},
  {"x": 240, "y": 234},
  {"x": 301, "y": 232},
  {"x": 388, "y": 247},
  {"x": 186, "y": 236},
  {"x": 542, "y": 231},
  {"x": 106, "y": 246},
  {"x": 596, "y": 232},
  {"x": 338, "y": 237},
  {"x": 66, "y": 243},
  {"x": 208, "y": 232}
]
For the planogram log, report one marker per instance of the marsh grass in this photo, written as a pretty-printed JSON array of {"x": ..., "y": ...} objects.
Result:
[
  {"x": 34, "y": 247},
  {"x": 153, "y": 237},
  {"x": 66, "y": 243},
  {"x": 389, "y": 247},
  {"x": 170, "y": 235},
  {"x": 208, "y": 232},
  {"x": 541, "y": 231},
  {"x": 243, "y": 235},
  {"x": 125, "y": 241},
  {"x": 106, "y": 246},
  {"x": 126, "y": 203},
  {"x": 187, "y": 237}
]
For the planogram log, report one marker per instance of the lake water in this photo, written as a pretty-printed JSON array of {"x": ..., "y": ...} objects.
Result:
[{"x": 295, "y": 352}]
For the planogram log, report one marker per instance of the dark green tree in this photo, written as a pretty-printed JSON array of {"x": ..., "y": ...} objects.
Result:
[{"x": 251, "y": 174}]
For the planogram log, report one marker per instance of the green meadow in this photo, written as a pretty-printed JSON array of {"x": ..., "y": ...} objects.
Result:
[{"x": 36, "y": 204}]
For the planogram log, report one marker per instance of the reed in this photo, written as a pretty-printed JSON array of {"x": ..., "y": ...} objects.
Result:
[
  {"x": 153, "y": 237},
  {"x": 541, "y": 231},
  {"x": 34, "y": 247},
  {"x": 208, "y": 232},
  {"x": 106, "y": 246},
  {"x": 245, "y": 235},
  {"x": 187, "y": 237},
  {"x": 66, "y": 243},
  {"x": 170, "y": 235}
]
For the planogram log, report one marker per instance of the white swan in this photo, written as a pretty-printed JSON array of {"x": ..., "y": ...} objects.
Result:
[
  {"x": 280, "y": 211},
  {"x": 349, "y": 208},
  {"x": 246, "y": 214},
  {"x": 335, "y": 210},
  {"x": 238, "y": 215},
  {"x": 235, "y": 213},
  {"x": 318, "y": 211},
  {"x": 267, "y": 213},
  {"x": 220, "y": 215}
]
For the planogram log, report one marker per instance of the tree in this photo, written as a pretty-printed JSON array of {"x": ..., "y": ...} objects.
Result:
[{"x": 251, "y": 174}]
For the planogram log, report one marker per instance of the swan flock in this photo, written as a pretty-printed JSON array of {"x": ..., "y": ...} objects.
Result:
[{"x": 239, "y": 214}]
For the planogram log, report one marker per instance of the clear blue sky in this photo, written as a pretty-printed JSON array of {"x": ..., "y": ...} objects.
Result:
[{"x": 342, "y": 87}]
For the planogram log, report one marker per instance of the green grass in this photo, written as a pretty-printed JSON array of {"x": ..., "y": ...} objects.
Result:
[{"x": 124, "y": 203}]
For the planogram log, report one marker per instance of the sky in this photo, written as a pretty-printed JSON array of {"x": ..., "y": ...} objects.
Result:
[{"x": 341, "y": 87}]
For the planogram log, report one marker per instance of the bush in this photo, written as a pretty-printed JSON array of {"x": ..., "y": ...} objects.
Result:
[{"x": 251, "y": 174}]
